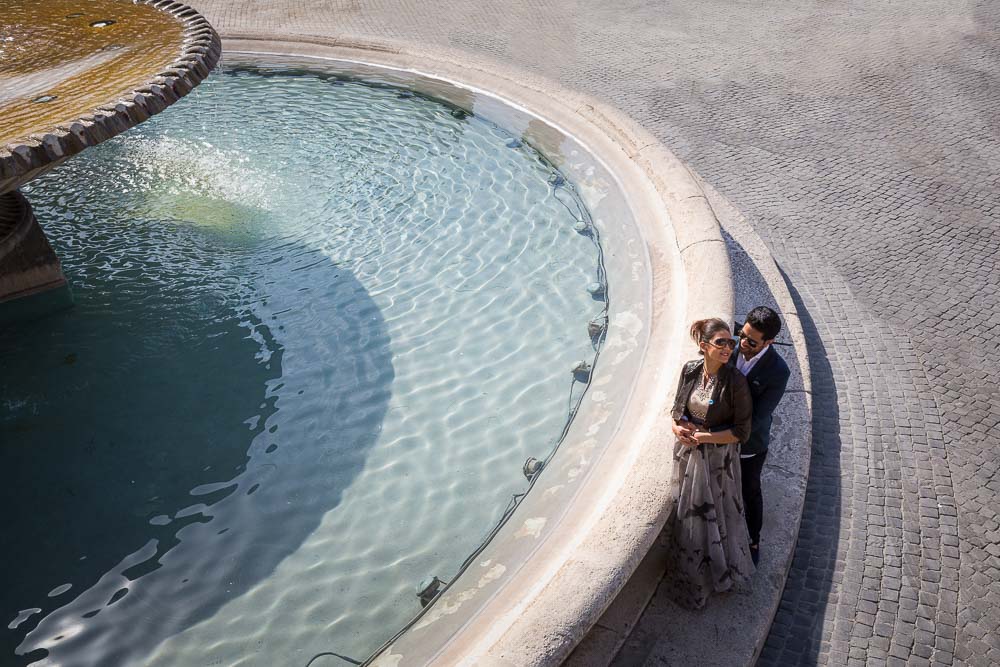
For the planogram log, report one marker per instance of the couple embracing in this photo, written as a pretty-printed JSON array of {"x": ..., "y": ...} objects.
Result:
[{"x": 722, "y": 423}]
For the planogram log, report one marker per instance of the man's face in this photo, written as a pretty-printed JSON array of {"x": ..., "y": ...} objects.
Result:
[{"x": 751, "y": 342}]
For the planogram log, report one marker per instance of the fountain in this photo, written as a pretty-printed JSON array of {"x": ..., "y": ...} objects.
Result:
[
  {"x": 272, "y": 343},
  {"x": 231, "y": 455},
  {"x": 72, "y": 75}
]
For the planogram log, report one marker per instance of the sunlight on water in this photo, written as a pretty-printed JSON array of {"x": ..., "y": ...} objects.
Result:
[{"x": 319, "y": 327}]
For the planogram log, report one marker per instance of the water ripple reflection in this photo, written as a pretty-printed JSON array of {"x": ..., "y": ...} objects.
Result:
[{"x": 305, "y": 366}]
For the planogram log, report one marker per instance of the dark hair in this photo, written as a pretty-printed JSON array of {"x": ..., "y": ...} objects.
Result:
[
  {"x": 764, "y": 320},
  {"x": 703, "y": 330}
]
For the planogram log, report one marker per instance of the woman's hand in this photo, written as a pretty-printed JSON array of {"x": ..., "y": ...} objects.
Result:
[
  {"x": 703, "y": 437},
  {"x": 685, "y": 433}
]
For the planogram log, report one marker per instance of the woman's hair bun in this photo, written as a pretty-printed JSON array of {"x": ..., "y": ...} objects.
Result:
[{"x": 703, "y": 330}]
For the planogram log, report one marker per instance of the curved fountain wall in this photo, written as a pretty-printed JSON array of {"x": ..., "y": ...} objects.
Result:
[{"x": 560, "y": 558}]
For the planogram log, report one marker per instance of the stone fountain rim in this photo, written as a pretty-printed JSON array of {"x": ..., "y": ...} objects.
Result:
[{"x": 26, "y": 157}]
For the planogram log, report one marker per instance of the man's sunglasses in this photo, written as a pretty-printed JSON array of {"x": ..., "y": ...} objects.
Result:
[
  {"x": 723, "y": 342},
  {"x": 751, "y": 343}
]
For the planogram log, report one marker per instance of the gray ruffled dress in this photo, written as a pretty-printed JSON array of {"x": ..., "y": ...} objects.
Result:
[{"x": 706, "y": 533}]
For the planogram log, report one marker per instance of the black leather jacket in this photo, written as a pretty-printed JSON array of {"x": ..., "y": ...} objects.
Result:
[{"x": 732, "y": 407}]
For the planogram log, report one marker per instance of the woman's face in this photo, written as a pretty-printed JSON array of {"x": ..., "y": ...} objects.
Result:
[{"x": 719, "y": 347}]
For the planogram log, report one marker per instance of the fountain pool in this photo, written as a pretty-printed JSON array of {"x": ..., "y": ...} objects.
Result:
[{"x": 320, "y": 325}]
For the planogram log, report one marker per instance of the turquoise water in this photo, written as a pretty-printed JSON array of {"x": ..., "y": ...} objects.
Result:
[{"x": 319, "y": 326}]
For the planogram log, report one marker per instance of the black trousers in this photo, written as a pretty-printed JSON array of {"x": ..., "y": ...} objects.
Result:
[{"x": 753, "y": 501}]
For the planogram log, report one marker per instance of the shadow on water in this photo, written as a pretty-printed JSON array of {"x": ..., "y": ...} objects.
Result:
[
  {"x": 798, "y": 624},
  {"x": 163, "y": 455}
]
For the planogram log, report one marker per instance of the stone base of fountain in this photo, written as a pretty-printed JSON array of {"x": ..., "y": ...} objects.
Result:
[{"x": 28, "y": 265}]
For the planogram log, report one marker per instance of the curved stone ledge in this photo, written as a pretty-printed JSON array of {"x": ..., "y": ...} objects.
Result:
[
  {"x": 24, "y": 158},
  {"x": 576, "y": 557},
  {"x": 662, "y": 632}
]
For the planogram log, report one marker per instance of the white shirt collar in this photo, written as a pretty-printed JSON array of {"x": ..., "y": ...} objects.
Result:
[{"x": 746, "y": 365}]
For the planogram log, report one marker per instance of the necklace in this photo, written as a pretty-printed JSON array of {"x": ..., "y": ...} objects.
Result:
[
  {"x": 701, "y": 397},
  {"x": 707, "y": 385}
]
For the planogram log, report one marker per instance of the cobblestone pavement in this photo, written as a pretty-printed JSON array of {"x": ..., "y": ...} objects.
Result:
[{"x": 860, "y": 138}]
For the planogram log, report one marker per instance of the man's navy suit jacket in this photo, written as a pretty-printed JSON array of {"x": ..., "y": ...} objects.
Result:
[{"x": 767, "y": 379}]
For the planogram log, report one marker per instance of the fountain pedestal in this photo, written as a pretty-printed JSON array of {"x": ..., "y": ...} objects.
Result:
[
  {"x": 71, "y": 76},
  {"x": 28, "y": 265}
]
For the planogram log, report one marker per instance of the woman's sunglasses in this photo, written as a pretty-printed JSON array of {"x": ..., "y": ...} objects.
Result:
[{"x": 724, "y": 342}]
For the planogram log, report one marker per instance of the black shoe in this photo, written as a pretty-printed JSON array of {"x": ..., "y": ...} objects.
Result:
[{"x": 755, "y": 553}]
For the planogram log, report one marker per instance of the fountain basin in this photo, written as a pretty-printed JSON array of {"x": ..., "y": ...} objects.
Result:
[
  {"x": 342, "y": 320},
  {"x": 558, "y": 562}
]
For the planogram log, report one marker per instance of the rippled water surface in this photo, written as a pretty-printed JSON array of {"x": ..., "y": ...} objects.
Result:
[{"x": 319, "y": 326}]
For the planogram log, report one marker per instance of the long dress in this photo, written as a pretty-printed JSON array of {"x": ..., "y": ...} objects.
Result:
[{"x": 708, "y": 543}]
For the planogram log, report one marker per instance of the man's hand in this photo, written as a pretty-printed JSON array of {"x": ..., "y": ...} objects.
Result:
[{"x": 685, "y": 433}]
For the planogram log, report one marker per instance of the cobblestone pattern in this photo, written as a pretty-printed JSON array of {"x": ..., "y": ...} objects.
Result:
[
  {"x": 875, "y": 575},
  {"x": 861, "y": 140}
]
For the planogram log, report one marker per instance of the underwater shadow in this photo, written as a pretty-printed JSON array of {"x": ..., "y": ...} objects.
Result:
[{"x": 158, "y": 469}]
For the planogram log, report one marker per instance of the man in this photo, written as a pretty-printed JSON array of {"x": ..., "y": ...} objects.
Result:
[{"x": 767, "y": 374}]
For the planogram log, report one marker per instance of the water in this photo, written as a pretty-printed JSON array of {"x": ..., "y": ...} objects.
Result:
[{"x": 319, "y": 327}]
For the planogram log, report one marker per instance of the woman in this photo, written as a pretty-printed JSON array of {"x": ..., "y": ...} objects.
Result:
[{"x": 709, "y": 546}]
